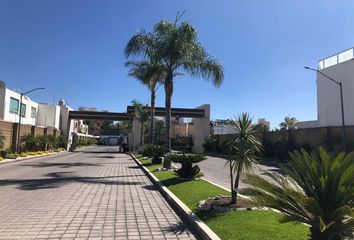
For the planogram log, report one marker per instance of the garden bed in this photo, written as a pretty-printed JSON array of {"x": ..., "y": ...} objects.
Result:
[{"x": 233, "y": 225}]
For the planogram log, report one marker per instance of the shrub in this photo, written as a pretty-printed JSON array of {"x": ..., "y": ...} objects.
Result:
[
  {"x": 1, "y": 158},
  {"x": 61, "y": 142},
  {"x": 157, "y": 152},
  {"x": 23, "y": 154},
  {"x": 3, "y": 153},
  {"x": 186, "y": 160},
  {"x": 12, "y": 155},
  {"x": 148, "y": 150}
]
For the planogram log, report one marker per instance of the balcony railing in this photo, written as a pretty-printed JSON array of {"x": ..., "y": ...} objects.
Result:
[{"x": 335, "y": 59}]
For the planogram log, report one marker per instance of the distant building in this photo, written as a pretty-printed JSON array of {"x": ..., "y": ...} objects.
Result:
[
  {"x": 222, "y": 127},
  {"x": 264, "y": 122}
]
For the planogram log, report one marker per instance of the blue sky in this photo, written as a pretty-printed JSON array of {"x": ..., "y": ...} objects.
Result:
[{"x": 75, "y": 49}]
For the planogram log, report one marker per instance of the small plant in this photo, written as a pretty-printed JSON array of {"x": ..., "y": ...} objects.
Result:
[
  {"x": 23, "y": 155},
  {"x": 158, "y": 151},
  {"x": 318, "y": 191},
  {"x": 186, "y": 160},
  {"x": 1, "y": 158}
]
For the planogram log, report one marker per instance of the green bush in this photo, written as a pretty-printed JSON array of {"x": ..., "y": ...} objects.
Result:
[
  {"x": 12, "y": 155},
  {"x": 186, "y": 160},
  {"x": 3, "y": 153},
  {"x": 148, "y": 150},
  {"x": 217, "y": 144},
  {"x": 61, "y": 142}
]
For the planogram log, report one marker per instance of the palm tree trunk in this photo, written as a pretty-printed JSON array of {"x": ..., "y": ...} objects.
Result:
[
  {"x": 237, "y": 182},
  {"x": 152, "y": 125},
  {"x": 142, "y": 134},
  {"x": 168, "y": 93},
  {"x": 232, "y": 178}
]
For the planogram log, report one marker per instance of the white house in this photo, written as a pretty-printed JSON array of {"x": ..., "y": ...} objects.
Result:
[{"x": 10, "y": 107}]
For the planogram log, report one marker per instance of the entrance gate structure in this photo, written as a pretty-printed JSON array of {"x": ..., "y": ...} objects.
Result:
[{"x": 201, "y": 116}]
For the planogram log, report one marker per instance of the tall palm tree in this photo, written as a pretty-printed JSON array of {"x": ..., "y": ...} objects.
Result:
[
  {"x": 318, "y": 191},
  {"x": 244, "y": 146},
  {"x": 289, "y": 123},
  {"x": 151, "y": 75},
  {"x": 142, "y": 114},
  {"x": 176, "y": 48}
]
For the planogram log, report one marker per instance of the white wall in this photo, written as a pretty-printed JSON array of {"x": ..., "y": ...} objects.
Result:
[
  {"x": 13, "y": 117},
  {"x": 48, "y": 115},
  {"x": 223, "y": 129},
  {"x": 328, "y": 95}
]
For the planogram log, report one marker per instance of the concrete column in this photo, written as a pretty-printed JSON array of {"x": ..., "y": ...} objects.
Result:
[
  {"x": 134, "y": 140},
  {"x": 201, "y": 129}
]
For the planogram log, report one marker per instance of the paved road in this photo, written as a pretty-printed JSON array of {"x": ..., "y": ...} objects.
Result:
[
  {"x": 215, "y": 170},
  {"x": 92, "y": 194}
]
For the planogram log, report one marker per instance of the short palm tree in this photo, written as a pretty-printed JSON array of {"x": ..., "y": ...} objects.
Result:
[
  {"x": 142, "y": 115},
  {"x": 244, "y": 147},
  {"x": 151, "y": 75},
  {"x": 318, "y": 191},
  {"x": 288, "y": 123},
  {"x": 176, "y": 48}
]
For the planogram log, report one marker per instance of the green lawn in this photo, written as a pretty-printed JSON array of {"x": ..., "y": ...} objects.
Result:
[{"x": 236, "y": 225}]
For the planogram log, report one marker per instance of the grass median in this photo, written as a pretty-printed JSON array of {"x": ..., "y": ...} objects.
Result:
[{"x": 234, "y": 225}]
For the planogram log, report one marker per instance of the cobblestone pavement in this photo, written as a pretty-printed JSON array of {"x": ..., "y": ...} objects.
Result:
[{"x": 92, "y": 194}]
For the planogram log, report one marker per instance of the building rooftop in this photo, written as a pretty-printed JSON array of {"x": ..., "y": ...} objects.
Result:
[{"x": 337, "y": 58}]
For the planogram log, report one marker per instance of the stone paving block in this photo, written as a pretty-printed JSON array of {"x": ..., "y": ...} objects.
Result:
[{"x": 93, "y": 194}]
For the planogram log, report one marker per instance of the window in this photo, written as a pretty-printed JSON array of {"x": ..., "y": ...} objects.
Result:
[
  {"x": 23, "y": 110},
  {"x": 14, "y": 103},
  {"x": 33, "y": 112}
]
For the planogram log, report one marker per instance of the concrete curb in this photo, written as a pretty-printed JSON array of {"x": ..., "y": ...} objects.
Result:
[
  {"x": 19, "y": 159},
  {"x": 199, "y": 227}
]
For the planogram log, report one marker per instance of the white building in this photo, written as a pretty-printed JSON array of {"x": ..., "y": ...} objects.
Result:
[
  {"x": 339, "y": 67},
  {"x": 48, "y": 115},
  {"x": 10, "y": 107}
]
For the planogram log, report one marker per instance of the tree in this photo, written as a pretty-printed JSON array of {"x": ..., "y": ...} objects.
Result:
[
  {"x": 142, "y": 115},
  {"x": 151, "y": 75},
  {"x": 176, "y": 48},
  {"x": 318, "y": 190},
  {"x": 289, "y": 123},
  {"x": 244, "y": 147}
]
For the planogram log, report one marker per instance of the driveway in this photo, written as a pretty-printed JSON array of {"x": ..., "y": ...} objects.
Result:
[
  {"x": 216, "y": 170},
  {"x": 93, "y": 194}
]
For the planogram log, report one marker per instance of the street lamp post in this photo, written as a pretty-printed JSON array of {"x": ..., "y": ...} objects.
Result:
[
  {"x": 20, "y": 117},
  {"x": 340, "y": 84}
]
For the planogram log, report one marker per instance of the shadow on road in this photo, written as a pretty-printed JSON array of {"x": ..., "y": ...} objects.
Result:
[
  {"x": 58, "y": 179},
  {"x": 61, "y": 165}
]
